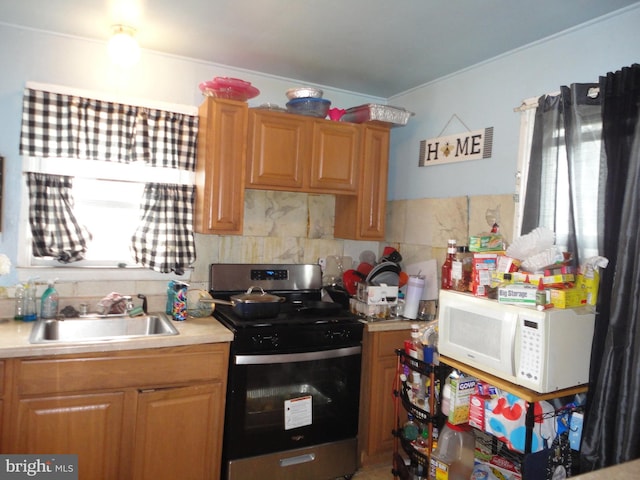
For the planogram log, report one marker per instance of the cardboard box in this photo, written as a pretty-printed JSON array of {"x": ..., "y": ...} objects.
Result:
[
  {"x": 495, "y": 469},
  {"x": 484, "y": 264},
  {"x": 518, "y": 294},
  {"x": 476, "y": 411},
  {"x": 461, "y": 389},
  {"x": 534, "y": 278},
  {"x": 486, "y": 242},
  {"x": 590, "y": 283},
  {"x": 567, "y": 297}
]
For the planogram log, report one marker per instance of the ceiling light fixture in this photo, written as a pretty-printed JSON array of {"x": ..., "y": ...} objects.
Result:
[{"x": 123, "y": 47}]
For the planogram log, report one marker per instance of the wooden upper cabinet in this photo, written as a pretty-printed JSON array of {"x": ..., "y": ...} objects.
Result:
[
  {"x": 220, "y": 169},
  {"x": 335, "y": 156},
  {"x": 298, "y": 153},
  {"x": 362, "y": 217},
  {"x": 278, "y": 146}
]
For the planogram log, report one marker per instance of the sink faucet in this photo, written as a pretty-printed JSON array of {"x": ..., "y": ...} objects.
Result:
[
  {"x": 128, "y": 303},
  {"x": 144, "y": 302}
]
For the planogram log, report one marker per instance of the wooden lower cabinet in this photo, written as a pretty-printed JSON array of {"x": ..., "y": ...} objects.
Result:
[
  {"x": 194, "y": 418},
  {"x": 379, "y": 362},
  {"x": 91, "y": 426},
  {"x": 153, "y": 413}
]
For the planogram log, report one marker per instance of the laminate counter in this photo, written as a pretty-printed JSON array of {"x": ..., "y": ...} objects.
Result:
[{"x": 14, "y": 339}]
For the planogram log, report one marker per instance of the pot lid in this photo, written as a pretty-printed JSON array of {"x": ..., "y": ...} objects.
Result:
[{"x": 262, "y": 297}]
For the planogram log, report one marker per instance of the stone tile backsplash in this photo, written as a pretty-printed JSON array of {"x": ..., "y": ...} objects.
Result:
[{"x": 285, "y": 227}]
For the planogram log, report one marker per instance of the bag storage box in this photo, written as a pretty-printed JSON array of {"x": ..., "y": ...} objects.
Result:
[{"x": 374, "y": 112}]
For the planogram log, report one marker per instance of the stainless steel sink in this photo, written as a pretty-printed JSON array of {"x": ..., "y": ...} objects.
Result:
[{"x": 101, "y": 328}]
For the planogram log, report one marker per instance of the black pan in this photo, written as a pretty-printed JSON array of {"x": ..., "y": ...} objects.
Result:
[{"x": 251, "y": 305}]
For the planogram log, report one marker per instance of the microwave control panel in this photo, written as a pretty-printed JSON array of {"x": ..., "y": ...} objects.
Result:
[{"x": 531, "y": 346}]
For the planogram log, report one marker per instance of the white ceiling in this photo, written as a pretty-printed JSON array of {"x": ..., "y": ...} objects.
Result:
[{"x": 375, "y": 47}]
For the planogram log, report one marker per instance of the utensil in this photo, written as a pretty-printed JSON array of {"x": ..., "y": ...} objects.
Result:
[{"x": 252, "y": 305}]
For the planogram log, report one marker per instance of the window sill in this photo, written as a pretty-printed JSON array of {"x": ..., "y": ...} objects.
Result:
[{"x": 72, "y": 274}]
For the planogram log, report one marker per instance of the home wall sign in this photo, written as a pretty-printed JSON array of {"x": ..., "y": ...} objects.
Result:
[{"x": 456, "y": 148}]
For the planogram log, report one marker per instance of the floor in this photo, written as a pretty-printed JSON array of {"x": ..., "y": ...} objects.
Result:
[{"x": 375, "y": 472}]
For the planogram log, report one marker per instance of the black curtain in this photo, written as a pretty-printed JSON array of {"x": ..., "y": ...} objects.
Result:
[{"x": 611, "y": 433}]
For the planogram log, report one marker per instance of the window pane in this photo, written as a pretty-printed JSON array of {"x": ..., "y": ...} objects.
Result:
[{"x": 110, "y": 210}]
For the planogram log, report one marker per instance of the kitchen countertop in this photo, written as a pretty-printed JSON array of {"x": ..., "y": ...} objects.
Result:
[
  {"x": 622, "y": 471},
  {"x": 14, "y": 339},
  {"x": 391, "y": 324}
]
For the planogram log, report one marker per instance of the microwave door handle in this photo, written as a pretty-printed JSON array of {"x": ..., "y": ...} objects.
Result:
[{"x": 514, "y": 330}]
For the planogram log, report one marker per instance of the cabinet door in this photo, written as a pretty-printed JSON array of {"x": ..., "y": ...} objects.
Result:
[
  {"x": 363, "y": 216},
  {"x": 90, "y": 426},
  {"x": 179, "y": 433},
  {"x": 278, "y": 147},
  {"x": 335, "y": 157},
  {"x": 220, "y": 169},
  {"x": 378, "y": 414}
]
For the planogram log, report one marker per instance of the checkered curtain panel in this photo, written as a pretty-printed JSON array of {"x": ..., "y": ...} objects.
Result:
[
  {"x": 60, "y": 125},
  {"x": 164, "y": 239},
  {"x": 56, "y": 233}
]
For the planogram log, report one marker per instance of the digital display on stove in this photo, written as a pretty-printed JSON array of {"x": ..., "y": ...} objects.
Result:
[{"x": 269, "y": 274}]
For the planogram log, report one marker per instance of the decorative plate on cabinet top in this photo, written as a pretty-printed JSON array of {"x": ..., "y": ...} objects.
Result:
[{"x": 230, "y": 88}]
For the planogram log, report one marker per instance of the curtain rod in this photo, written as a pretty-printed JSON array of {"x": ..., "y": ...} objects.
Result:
[
  {"x": 114, "y": 98},
  {"x": 533, "y": 102}
]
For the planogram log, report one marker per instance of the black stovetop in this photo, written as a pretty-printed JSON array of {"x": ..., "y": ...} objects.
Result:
[{"x": 304, "y": 320}]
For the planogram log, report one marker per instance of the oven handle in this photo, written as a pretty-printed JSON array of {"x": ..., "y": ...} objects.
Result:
[{"x": 297, "y": 357}]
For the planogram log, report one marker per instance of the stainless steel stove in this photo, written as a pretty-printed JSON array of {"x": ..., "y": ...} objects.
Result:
[{"x": 294, "y": 379}]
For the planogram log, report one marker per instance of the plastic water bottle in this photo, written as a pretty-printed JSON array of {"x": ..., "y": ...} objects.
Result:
[
  {"x": 410, "y": 430},
  {"x": 30, "y": 313},
  {"x": 19, "y": 302}
]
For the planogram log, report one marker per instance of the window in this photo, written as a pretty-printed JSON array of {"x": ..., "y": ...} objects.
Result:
[
  {"x": 110, "y": 210},
  {"x": 560, "y": 151},
  {"x": 107, "y": 184}
]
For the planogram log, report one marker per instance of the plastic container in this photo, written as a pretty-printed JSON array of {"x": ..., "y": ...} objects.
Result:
[
  {"x": 453, "y": 457},
  {"x": 30, "y": 313},
  {"x": 411, "y": 429},
  {"x": 415, "y": 287},
  {"x": 19, "y": 303},
  {"x": 49, "y": 302},
  {"x": 313, "y": 107}
]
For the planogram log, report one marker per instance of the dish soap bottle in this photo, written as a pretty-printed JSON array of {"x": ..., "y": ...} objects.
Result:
[{"x": 49, "y": 302}]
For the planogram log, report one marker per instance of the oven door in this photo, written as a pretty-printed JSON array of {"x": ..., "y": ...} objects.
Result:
[{"x": 279, "y": 402}]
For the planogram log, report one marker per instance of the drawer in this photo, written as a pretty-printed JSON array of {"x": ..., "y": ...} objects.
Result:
[{"x": 140, "y": 369}]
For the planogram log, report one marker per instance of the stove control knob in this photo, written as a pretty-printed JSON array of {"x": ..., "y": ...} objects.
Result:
[
  {"x": 338, "y": 334},
  {"x": 266, "y": 340}
]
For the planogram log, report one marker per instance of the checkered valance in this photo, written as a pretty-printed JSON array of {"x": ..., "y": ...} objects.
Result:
[
  {"x": 57, "y": 125},
  {"x": 62, "y": 125}
]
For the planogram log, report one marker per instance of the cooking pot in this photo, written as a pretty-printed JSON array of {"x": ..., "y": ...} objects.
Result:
[{"x": 252, "y": 305}]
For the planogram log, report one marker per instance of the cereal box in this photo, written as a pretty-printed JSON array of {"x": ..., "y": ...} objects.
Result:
[{"x": 461, "y": 389}]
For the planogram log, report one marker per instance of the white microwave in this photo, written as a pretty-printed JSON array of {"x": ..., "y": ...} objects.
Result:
[{"x": 544, "y": 351}]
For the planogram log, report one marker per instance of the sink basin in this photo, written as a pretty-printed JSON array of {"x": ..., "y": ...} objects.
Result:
[{"x": 101, "y": 328}]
